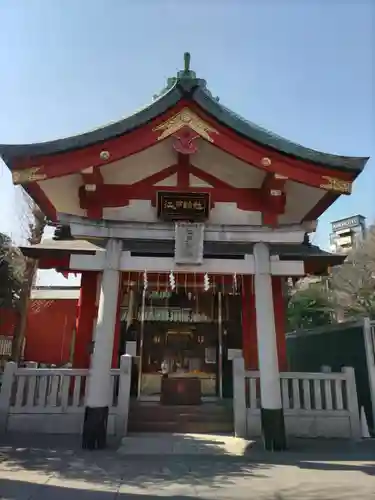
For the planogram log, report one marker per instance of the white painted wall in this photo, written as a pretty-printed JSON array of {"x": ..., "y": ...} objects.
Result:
[
  {"x": 63, "y": 192},
  {"x": 137, "y": 210},
  {"x": 139, "y": 166},
  {"x": 222, "y": 213}
]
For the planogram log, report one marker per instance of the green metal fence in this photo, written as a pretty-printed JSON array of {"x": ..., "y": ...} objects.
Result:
[{"x": 334, "y": 346}]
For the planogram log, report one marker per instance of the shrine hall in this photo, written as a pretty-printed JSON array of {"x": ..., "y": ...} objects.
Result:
[{"x": 186, "y": 223}]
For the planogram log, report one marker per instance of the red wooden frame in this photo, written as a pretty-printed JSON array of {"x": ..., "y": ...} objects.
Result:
[
  {"x": 119, "y": 195},
  {"x": 273, "y": 194},
  {"x": 73, "y": 161}
]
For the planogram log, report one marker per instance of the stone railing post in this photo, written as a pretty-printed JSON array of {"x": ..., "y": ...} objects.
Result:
[
  {"x": 325, "y": 369},
  {"x": 351, "y": 395},
  {"x": 6, "y": 393},
  {"x": 239, "y": 398},
  {"x": 123, "y": 401}
]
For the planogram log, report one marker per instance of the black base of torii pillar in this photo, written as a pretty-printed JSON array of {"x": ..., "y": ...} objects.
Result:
[
  {"x": 273, "y": 429},
  {"x": 94, "y": 434},
  {"x": 272, "y": 415}
]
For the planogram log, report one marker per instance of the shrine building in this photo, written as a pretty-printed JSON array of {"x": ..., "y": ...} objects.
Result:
[{"x": 186, "y": 223}]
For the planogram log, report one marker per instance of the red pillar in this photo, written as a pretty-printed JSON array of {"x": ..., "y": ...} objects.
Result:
[
  {"x": 249, "y": 333},
  {"x": 116, "y": 339},
  {"x": 86, "y": 316},
  {"x": 279, "y": 307}
]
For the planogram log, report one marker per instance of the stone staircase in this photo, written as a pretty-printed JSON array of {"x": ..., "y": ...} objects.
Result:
[{"x": 207, "y": 418}]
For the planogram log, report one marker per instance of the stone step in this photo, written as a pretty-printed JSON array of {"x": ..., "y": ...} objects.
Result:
[
  {"x": 203, "y": 408},
  {"x": 178, "y": 412},
  {"x": 178, "y": 417},
  {"x": 202, "y": 419}
]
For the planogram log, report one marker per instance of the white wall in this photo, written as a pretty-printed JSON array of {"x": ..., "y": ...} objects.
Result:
[{"x": 222, "y": 213}]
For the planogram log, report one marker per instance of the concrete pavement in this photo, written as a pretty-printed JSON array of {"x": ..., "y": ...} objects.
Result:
[{"x": 54, "y": 468}]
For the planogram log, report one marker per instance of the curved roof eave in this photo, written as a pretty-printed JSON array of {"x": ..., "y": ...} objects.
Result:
[
  {"x": 194, "y": 88},
  {"x": 266, "y": 138},
  {"x": 102, "y": 134}
]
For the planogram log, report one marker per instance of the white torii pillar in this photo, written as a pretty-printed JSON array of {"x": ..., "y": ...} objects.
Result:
[
  {"x": 272, "y": 416},
  {"x": 98, "y": 396}
]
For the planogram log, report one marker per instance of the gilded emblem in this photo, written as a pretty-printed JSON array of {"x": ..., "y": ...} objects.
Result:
[
  {"x": 266, "y": 162},
  {"x": 338, "y": 185},
  {"x": 27, "y": 175},
  {"x": 186, "y": 118}
]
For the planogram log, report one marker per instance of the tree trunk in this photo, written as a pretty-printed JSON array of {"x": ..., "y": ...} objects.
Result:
[
  {"x": 23, "y": 306},
  {"x": 37, "y": 229}
]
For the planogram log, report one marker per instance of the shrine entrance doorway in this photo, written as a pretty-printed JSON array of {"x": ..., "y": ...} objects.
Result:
[
  {"x": 182, "y": 336},
  {"x": 180, "y": 347}
]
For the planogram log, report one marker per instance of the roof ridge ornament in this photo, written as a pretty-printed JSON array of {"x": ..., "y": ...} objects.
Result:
[
  {"x": 187, "y": 72},
  {"x": 187, "y": 61},
  {"x": 187, "y": 78}
]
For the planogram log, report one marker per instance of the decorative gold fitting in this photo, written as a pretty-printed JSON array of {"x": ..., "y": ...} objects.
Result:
[
  {"x": 275, "y": 192},
  {"x": 27, "y": 175},
  {"x": 104, "y": 155},
  {"x": 266, "y": 162},
  {"x": 185, "y": 118},
  {"x": 281, "y": 177},
  {"x": 337, "y": 185}
]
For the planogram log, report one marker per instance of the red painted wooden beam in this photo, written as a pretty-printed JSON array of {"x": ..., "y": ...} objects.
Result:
[
  {"x": 153, "y": 179},
  {"x": 273, "y": 191},
  {"x": 183, "y": 171},
  {"x": 116, "y": 195},
  {"x": 41, "y": 199},
  {"x": 274, "y": 182},
  {"x": 209, "y": 178},
  {"x": 92, "y": 176},
  {"x": 54, "y": 262}
]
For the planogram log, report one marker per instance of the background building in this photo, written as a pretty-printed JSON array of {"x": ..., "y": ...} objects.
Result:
[{"x": 347, "y": 233}]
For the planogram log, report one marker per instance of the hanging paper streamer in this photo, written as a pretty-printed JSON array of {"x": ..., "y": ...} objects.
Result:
[
  {"x": 145, "y": 280},
  {"x": 235, "y": 283},
  {"x": 172, "y": 281},
  {"x": 206, "y": 282}
]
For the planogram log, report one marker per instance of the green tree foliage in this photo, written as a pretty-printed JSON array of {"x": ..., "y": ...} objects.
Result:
[{"x": 309, "y": 307}]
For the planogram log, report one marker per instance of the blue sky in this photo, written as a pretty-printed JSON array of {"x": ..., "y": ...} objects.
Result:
[{"x": 303, "y": 69}]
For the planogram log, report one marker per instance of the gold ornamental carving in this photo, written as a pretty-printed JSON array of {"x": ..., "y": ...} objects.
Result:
[
  {"x": 266, "y": 162},
  {"x": 28, "y": 175},
  {"x": 185, "y": 118},
  {"x": 338, "y": 185}
]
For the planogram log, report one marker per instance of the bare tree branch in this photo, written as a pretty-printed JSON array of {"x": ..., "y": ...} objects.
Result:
[{"x": 353, "y": 283}]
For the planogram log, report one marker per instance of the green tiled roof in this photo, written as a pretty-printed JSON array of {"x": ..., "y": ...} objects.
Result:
[{"x": 186, "y": 85}]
